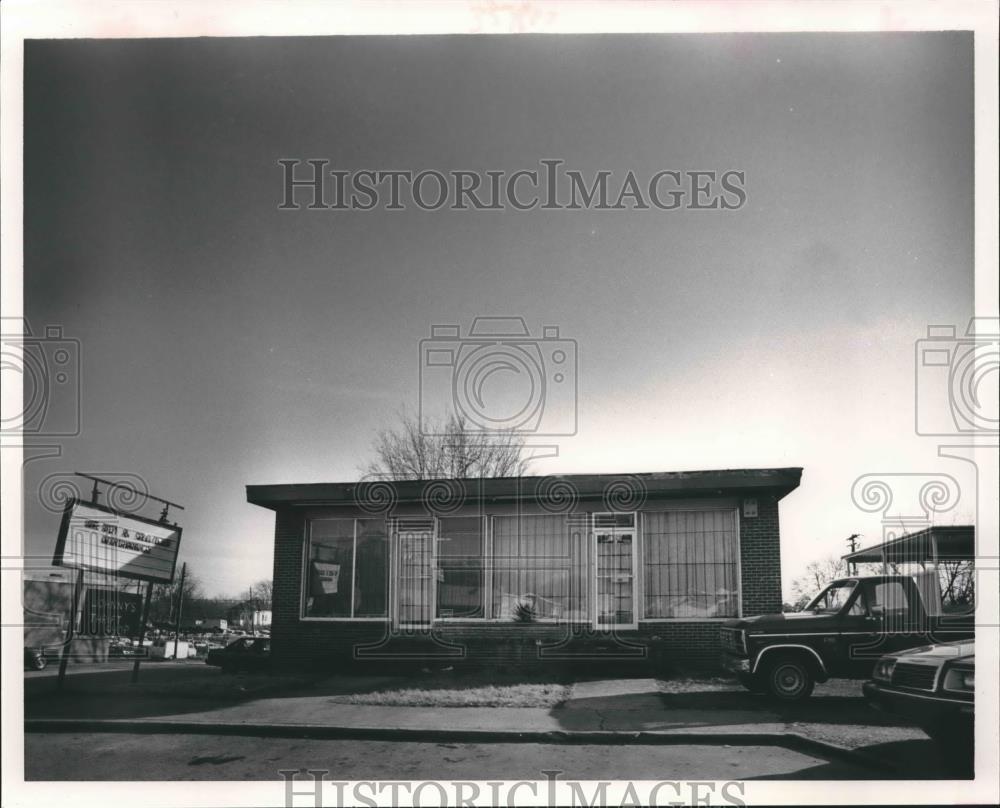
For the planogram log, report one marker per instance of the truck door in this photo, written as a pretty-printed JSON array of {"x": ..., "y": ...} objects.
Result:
[
  {"x": 858, "y": 641},
  {"x": 898, "y": 604}
]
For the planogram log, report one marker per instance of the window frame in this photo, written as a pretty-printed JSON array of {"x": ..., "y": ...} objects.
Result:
[
  {"x": 486, "y": 525},
  {"x": 306, "y": 560},
  {"x": 638, "y": 548},
  {"x": 641, "y": 583},
  {"x": 588, "y": 518},
  {"x": 590, "y": 571}
]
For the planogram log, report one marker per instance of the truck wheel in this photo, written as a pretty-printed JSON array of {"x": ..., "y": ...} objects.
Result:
[
  {"x": 39, "y": 662},
  {"x": 789, "y": 678}
]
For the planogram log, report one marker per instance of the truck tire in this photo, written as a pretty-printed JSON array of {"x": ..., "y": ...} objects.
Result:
[
  {"x": 789, "y": 678},
  {"x": 752, "y": 682}
]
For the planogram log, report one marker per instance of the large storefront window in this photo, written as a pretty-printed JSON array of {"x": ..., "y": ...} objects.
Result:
[
  {"x": 540, "y": 566},
  {"x": 347, "y": 574},
  {"x": 460, "y": 592},
  {"x": 690, "y": 561}
]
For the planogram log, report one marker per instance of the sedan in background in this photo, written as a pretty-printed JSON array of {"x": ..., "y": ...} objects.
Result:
[
  {"x": 244, "y": 654},
  {"x": 933, "y": 687}
]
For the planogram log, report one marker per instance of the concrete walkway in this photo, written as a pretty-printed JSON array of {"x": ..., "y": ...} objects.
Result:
[
  {"x": 187, "y": 700},
  {"x": 599, "y": 711}
]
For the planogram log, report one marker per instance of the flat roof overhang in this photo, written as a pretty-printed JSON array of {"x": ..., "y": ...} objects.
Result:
[
  {"x": 951, "y": 543},
  {"x": 778, "y": 482}
]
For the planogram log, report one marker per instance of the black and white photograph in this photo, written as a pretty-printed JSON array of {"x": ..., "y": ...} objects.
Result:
[{"x": 500, "y": 403}]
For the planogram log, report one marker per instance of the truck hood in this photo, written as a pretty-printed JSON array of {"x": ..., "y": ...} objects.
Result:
[{"x": 785, "y": 623}]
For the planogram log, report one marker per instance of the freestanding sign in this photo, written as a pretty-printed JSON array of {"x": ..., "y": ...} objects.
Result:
[{"x": 99, "y": 539}]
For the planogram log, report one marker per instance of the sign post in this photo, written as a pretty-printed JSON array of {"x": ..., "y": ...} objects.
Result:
[
  {"x": 70, "y": 629},
  {"x": 142, "y": 631}
]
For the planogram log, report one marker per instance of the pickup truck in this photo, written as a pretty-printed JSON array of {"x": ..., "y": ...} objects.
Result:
[{"x": 842, "y": 632}]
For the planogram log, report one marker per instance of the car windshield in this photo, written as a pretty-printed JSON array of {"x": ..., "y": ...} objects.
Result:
[{"x": 832, "y": 599}]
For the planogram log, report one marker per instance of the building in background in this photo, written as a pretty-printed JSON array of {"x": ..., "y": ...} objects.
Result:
[
  {"x": 518, "y": 569},
  {"x": 248, "y": 617}
]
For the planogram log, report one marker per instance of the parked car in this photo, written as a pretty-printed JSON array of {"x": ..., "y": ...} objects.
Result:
[
  {"x": 842, "y": 632},
  {"x": 244, "y": 654},
  {"x": 933, "y": 687},
  {"x": 122, "y": 647}
]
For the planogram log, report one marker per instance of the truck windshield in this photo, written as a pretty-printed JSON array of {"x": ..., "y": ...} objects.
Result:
[{"x": 832, "y": 599}]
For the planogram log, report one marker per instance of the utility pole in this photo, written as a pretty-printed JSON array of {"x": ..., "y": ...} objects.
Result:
[
  {"x": 253, "y": 613},
  {"x": 180, "y": 607},
  {"x": 852, "y": 566}
]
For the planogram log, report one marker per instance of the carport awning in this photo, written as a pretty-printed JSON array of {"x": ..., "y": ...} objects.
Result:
[{"x": 953, "y": 543}]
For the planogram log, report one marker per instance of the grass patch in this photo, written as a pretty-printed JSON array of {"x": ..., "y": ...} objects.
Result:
[
  {"x": 700, "y": 684},
  {"x": 533, "y": 694}
]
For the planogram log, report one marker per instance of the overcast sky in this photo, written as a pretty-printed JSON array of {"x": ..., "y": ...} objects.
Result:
[{"x": 225, "y": 342}]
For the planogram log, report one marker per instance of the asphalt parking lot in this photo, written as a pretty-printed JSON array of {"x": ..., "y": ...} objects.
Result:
[{"x": 100, "y": 756}]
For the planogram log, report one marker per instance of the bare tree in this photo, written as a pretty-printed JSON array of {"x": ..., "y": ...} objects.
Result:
[
  {"x": 261, "y": 594},
  {"x": 167, "y": 597},
  {"x": 449, "y": 449},
  {"x": 957, "y": 580},
  {"x": 817, "y": 575}
]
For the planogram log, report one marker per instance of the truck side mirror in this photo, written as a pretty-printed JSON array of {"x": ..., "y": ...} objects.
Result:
[{"x": 877, "y": 611}]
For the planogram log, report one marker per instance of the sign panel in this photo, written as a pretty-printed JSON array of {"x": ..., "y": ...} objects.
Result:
[
  {"x": 329, "y": 574},
  {"x": 111, "y": 612},
  {"x": 95, "y": 538}
]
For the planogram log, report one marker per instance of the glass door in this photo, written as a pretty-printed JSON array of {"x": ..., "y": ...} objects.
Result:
[
  {"x": 615, "y": 543},
  {"x": 414, "y": 582}
]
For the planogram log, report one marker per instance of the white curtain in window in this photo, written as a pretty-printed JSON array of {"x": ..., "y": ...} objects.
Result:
[
  {"x": 542, "y": 562},
  {"x": 690, "y": 562}
]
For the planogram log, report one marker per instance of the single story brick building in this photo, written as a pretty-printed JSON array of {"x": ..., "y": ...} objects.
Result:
[{"x": 505, "y": 570}]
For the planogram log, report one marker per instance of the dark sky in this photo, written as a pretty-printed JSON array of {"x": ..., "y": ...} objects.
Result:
[{"x": 226, "y": 342}]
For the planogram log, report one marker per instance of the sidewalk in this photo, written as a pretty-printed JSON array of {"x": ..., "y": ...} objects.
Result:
[{"x": 606, "y": 710}]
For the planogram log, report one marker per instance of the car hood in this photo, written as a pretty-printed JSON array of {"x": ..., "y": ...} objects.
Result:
[
  {"x": 785, "y": 623},
  {"x": 963, "y": 650}
]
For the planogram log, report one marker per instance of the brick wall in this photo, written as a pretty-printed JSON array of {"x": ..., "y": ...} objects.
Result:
[
  {"x": 760, "y": 559},
  {"x": 286, "y": 634}
]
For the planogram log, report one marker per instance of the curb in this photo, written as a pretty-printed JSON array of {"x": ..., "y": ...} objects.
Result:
[{"x": 789, "y": 740}]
